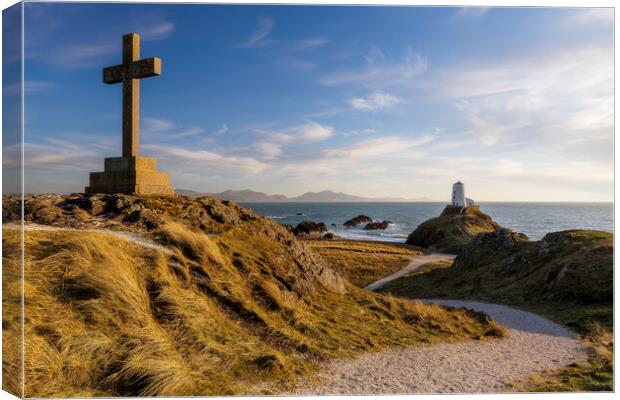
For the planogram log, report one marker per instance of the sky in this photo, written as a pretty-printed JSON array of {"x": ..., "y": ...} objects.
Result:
[{"x": 372, "y": 101}]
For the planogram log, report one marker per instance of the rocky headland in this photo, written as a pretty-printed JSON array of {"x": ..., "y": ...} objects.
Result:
[{"x": 455, "y": 227}]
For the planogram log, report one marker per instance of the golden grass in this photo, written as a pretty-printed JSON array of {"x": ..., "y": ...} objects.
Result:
[
  {"x": 227, "y": 314},
  {"x": 363, "y": 262}
]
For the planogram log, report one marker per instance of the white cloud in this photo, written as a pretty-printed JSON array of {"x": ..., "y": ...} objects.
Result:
[
  {"x": 374, "y": 101},
  {"x": 157, "y": 31},
  {"x": 269, "y": 150},
  {"x": 157, "y": 125},
  {"x": 585, "y": 16},
  {"x": 259, "y": 37},
  {"x": 30, "y": 86},
  {"x": 221, "y": 130},
  {"x": 190, "y": 159},
  {"x": 186, "y": 132},
  {"x": 380, "y": 71},
  {"x": 307, "y": 132},
  {"x": 546, "y": 101},
  {"x": 80, "y": 55},
  {"x": 310, "y": 43},
  {"x": 377, "y": 147},
  {"x": 166, "y": 129}
]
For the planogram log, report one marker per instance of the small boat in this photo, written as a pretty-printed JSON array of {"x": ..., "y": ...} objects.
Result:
[{"x": 300, "y": 214}]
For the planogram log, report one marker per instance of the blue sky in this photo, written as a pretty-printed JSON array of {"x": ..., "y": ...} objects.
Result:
[{"x": 372, "y": 101}]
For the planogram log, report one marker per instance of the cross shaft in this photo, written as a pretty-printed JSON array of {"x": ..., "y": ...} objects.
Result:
[{"x": 129, "y": 73}]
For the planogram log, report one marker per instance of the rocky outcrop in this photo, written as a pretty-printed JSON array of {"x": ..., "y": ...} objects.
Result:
[
  {"x": 360, "y": 219},
  {"x": 568, "y": 267},
  {"x": 309, "y": 228},
  {"x": 455, "y": 227},
  {"x": 377, "y": 225},
  {"x": 126, "y": 212},
  {"x": 151, "y": 214}
]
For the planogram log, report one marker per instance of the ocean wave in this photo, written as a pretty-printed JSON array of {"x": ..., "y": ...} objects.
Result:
[{"x": 358, "y": 234}]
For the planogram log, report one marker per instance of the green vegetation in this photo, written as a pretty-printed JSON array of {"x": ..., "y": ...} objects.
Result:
[
  {"x": 594, "y": 325},
  {"x": 363, "y": 262},
  {"x": 452, "y": 229},
  {"x": 566, "y": 277},
  {"x": 234, "y": 305}
]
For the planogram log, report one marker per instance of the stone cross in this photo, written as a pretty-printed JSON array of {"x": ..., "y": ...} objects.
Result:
[{"x": 130, "y": 72}]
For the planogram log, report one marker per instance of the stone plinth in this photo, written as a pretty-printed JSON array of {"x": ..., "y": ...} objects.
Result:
[{"x": 130, "y": 175}]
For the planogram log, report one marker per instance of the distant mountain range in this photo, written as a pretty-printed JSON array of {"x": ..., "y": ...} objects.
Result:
[{"x": 326, "y": 196}]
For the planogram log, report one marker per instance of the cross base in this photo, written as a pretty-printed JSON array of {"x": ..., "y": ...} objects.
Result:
[{"x": 130, "y": 175}]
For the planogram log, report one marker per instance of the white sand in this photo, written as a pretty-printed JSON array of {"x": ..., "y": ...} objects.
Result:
[{"x": 534, "y": 344}]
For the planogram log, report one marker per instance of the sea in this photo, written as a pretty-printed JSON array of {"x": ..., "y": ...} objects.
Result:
[{"x": 533, "y": 219}]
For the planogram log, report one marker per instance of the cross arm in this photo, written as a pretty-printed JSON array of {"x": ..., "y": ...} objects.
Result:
[
  {"x": 113, "y": 74},
  {"x": 145, "y": 68}
]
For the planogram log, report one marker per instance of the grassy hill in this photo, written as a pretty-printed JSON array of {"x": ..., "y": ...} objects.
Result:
[
  {"x": 363, "y": 262},
  {"x": 229, "y": 303},
  {"x": 454, "y": 228},
  {"x": 567, "y": 276}
]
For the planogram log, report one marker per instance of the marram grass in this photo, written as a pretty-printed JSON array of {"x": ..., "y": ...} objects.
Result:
[{"x": 214, "y": 315}]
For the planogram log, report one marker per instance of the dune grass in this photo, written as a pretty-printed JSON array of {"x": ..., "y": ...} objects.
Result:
[
  {"x": 364, "y": 262},
  {"x": 228, "y": 314}
]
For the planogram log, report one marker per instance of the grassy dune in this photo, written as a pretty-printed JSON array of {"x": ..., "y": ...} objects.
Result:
[
  {"x": 244, "y": 310},
  {"x": 363, "y": 262}
]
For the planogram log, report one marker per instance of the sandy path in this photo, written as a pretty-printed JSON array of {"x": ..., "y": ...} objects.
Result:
[
  {"x": 416, "y": 262},
  {"x": 533, "y": 344},
  {"x": 135, "y": 238}
]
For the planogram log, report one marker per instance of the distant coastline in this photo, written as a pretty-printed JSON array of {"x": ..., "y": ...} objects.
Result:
[{"x": 325, "y": 196}]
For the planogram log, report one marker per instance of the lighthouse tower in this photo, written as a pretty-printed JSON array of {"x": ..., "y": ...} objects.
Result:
[{"x": 458, "y": 195}]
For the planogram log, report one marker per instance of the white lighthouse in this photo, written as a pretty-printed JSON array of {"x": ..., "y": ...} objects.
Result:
[{"x": 458, "y": 195}]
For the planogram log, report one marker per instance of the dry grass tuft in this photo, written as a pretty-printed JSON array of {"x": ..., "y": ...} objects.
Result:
[{"x": 245, "y": 312}]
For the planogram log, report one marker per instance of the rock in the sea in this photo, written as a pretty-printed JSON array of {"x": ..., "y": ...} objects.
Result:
[
  {"x": 360, "y": 219},
  {"x": 455, "y": 227},
  {"x": 377, "y": 225},
  {"x": 307, "y": 228},
  {"x": 329, "y": 236}
]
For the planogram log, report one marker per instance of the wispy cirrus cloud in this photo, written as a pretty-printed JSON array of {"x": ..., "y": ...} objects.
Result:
[
  {"x": 30, "y": 86},
  {"x": 374, "y": 101},
  {"x": 310, "y": 131},
  {"x": 259, "y": 37},
  {"x": 377, "y": 146},
  {"x": 191, "y": 159},
  {"x": 157, "y": 31},
  {"x": 380, "y": 71},
  {"x": 310, "y": 43},
  {"x": 167, "y": 129},
  {"x": 82, "y": 55}
]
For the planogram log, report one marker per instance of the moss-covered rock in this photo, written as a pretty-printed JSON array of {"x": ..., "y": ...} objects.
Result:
[
  {"x": 574, "y": 266},
  {"x": 455, "y": 227}
]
